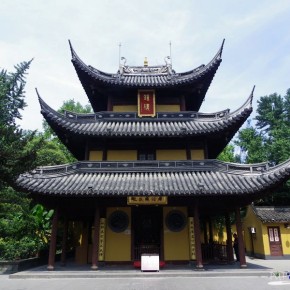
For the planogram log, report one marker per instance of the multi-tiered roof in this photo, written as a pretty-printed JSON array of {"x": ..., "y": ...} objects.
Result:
[{"x": 226, "y": 183}]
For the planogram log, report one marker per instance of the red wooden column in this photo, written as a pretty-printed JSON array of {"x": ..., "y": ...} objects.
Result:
[
  {"x": 64, "y": 242},
  {"x": 230, "y": 252},
  {"x": 243, "y": 263},
  {"x": 198, "y": 253},
  {"x": 95, "y": 249},
  {"x": 52, "y": 245}
]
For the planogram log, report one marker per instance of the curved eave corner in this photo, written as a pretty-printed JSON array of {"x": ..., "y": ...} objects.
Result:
[
  {"x": 176, "y": 79},
  {"x": 46, "y": 110},
  {"x": 246, "y": 108},
  {"x": 216, "y": 58}
]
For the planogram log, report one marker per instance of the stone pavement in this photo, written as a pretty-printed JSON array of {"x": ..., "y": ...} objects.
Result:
[{"x": 256, "y": 267}]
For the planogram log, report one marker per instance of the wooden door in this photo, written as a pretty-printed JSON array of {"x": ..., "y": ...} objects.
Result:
[{"x": 275, "y": 241}]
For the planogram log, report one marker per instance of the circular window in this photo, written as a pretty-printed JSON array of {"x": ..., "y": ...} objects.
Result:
[
  {"x": 175, "y": 221},
  {"x": 118, "y": 221}
]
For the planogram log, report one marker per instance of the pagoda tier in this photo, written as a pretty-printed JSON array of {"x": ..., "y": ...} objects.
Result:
[
  {"x": 75, "y": 129},
  {"x": 237, "y": 183},
  {"x": 191, "y": 85}
]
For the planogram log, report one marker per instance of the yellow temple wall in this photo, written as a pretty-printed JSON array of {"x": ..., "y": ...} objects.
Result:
[
  {"x": 285, "y": 239},
  {"x": 134, "y": 108},
  {"x": 82, "y": 232},
  {"x": 197, "y": 154},
  {"x": 260, "y": 239},
  {"x": 265, "y": 238},
  {"x": 167, "y": 108},
  {"x": 121, "y": 155},
  {"x": 118, "y": 245},
  {"x": 176, "y": 244},
  {"x": 96, "y": 155},
  {"x": 219, "y": 235},
  {"x": 125, "y": 108},
  {"x": 170, "y": 154}
]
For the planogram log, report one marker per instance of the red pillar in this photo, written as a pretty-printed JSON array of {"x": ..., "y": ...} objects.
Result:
[
  {"x": 52, "y": 245},
  {"x": 95, "y": 248},
  {"x": 198, "y": 253},
  {"x": 243, "y": 263},
  {"x": 64, "y": 242},
  {"x": 230, "y": 252}
]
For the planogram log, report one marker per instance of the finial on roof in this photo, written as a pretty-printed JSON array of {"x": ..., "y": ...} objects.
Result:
[
  {"x": 170, "y": 52},
  {"x": 221, "y": 49},
  {"x": 120, "y": 54},
  {"x": 145, "y": 61},
  {"x": 71, "y": 48},
  {"x": 252, "y": 94}
]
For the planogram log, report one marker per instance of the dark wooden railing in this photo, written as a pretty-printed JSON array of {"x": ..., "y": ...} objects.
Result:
[{"x": 214, "y": 252}]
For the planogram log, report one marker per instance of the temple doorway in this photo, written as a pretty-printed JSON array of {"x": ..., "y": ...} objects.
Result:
[{"x": 147, "y": 231}]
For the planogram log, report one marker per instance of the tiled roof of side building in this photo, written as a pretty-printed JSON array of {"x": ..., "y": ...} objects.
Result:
[
  {"x": 272, "y": 214},
  {"x": 169, "y": 178},
  {"x": 165, "y": 124}
]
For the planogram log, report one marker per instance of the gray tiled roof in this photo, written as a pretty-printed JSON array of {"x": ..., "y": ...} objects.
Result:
[
  {"x": 172, "y": 178},
  {"x": 270, "y": 214},
  {"x": 156, "y": 76},
  {"x": 165, "y": 124}
]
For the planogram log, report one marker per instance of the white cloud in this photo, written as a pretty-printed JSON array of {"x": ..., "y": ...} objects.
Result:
[{"x": 256, "y": 49}]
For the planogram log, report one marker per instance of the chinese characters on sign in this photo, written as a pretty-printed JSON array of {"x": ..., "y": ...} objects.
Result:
[
  {"x": 139, "y": 200},
  {"x": 146, "y": 103},
  {"x": 102, "y": 239},
  {"x": 191, "y": 239}
]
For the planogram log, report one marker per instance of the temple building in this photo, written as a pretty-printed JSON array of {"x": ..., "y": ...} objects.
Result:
[{"x": 147, "y": 179}]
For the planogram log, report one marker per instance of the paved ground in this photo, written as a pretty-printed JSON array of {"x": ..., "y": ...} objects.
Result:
[
  {"x": 256, "y": 267},
  {"x": 146, "y": 283},
  {"x": 259, "y": 275}
]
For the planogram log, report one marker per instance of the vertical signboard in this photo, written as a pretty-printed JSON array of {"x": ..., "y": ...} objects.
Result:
[
  {"x": 146, "y": 103},
  {"x": 102, "y": 239},
  {"x": 192, "y": 254}
]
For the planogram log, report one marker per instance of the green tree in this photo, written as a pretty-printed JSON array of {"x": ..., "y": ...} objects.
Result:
[
  {"x": 18, "y": 150},
  {"x": 16, "y": 154},
  {"x": 17, "y": 226},
  {"x": 251, "y": 143},
  {"x": 269, "y": 139},
  {"x": 228, "y": 154}
]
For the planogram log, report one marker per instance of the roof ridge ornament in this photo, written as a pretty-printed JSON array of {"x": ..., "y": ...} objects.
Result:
[{"x": 145, "y": 70}]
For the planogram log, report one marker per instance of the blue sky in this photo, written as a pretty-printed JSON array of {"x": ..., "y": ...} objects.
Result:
[{"x": 256, "y": 52}]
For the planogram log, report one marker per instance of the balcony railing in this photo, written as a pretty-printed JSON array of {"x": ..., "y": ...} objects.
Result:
[{"x": 152, "y": 166}]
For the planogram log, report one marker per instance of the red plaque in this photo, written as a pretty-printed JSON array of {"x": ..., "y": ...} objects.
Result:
[{"x": 146, "y": 103}]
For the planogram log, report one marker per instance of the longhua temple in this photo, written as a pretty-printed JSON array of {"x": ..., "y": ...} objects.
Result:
[{"x": 147, "y": 181}]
